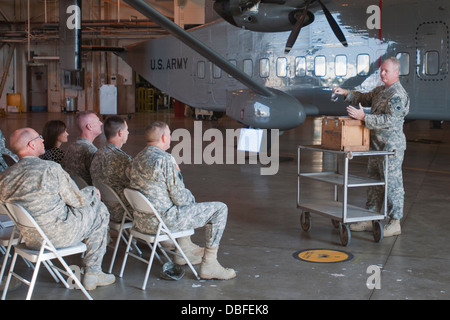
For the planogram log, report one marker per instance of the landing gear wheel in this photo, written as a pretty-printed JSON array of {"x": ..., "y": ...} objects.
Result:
[
  {"x": 335, "y": 223},
  {"x": 345, "y": 234},
  {"x": 378, "y": 231},
  {"x": 305, "y": 221}
]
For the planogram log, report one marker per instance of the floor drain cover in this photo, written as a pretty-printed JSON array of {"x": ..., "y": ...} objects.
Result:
[{"x": 323, "y": 255}]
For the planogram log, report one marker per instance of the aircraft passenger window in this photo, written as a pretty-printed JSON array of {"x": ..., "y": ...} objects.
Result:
[
  {"x": 264, "y": 68},
  {"x": 340, "y": 65},
  {"x": 403, "y": 57},
  {"x": 217, "y": 72},
  {"x": 300, "y": 66},
  {"x": 248, "y": 67},
  {"x": 320, "y": 66},
  {"x": 431, "y": 65},
  {"x": 201, "y": 69},
  {"x": 281, "y": 67},
  {"x": 363, "y": 64}
]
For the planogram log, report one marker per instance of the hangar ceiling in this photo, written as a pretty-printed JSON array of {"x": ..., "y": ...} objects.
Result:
[
  {"x": 38, "y": 21},
  {"x": 30, "y": 38}
]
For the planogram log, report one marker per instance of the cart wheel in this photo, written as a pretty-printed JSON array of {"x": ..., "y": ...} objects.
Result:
[
  {"x": 377, "y": 231},
  {"x": 344, "y": 233},
  {"x": 335, "y": 223},
  {"x": 305, "y": 221}
]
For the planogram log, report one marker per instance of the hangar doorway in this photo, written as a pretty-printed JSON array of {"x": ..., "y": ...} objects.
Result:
[{"x": 37, "y": 88}]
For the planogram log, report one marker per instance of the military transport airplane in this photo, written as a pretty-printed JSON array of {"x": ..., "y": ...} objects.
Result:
[{"x": 270, "y": 63}]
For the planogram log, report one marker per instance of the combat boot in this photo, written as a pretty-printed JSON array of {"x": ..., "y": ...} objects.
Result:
[
  {"x": 192, "y": 251},
  {"x": 211, "y": 268},
  {"x": 392, "y": 228},
  {"x": 93, "y": 280},
  {"x": 361, "y": 226}
]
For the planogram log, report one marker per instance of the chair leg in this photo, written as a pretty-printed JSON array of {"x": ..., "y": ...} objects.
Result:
[
  {"x": 124, "y": 238},
  {"x": 150, "y": 262},
  {"x": 125, "y": 256},
  {"x": 164, "y": 252},
  {"x": 8, "y": 250},
  {"x": 75, "y": 278},
  {"x": 185, "y": 258},
  {"x": 116, "y": 247},
  {"x": 10, "y": 273},
  {"x": 134, "y": 244},
  {"x": 33, "y": 280},
  {"x": 5, "y": 260},
  {"x": 52, "y": 271}
]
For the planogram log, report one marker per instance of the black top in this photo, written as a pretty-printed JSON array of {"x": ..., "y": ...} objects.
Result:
[{"x": 54, "y": 154}]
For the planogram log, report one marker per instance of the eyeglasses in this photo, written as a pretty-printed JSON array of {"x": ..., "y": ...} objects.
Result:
[{"x": 38, "y": 137}]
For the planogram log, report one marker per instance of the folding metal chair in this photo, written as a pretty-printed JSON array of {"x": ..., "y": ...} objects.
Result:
[
  {"x": 140, "y": 203},
  {"x": 46, "y": 253},
  {"x": 8, "y": 237},
  {"x": 9, "y": 159},
  {"x": 109, "y": 195},
  {"x": 80, "y": 182}
]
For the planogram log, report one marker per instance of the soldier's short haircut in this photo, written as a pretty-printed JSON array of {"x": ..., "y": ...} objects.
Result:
[
  {"x": 155, "y": 130},
  {"x": 395, "y": 62},
  {"x": 20, "y": 138},
  {"x": 81, "y": 119},
  {"x": 112, "y": 125}
]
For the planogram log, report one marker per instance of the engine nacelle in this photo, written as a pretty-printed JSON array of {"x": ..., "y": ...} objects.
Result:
[
  {"x": 262, "y": 17},
  {"x": 280, "y": 110}
]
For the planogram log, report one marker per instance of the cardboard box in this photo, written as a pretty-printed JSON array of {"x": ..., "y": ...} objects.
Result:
[{"x": 344, "y": 134}]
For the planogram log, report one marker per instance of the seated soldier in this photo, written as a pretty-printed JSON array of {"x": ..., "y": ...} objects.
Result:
[
  {"x": 110, "y": 163},
  {"x": 66, "y": 214},
  {"x": 78, "y": 158},
  {"x": 155, "y": 173},
  {"x": 3, "y": 149}
]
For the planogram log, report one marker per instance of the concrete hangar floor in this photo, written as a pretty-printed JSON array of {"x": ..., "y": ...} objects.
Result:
[{"x": 263, "y": 235}]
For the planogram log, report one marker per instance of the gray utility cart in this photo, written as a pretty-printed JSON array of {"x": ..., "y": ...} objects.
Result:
[{"x": 340, "y": 212}]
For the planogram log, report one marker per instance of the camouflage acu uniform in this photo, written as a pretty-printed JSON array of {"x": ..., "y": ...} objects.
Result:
[
  {"x": 66, "y": 214},
  {"x": 78, "y": 158},
  {"x": 3, "y": 149},
  {"x": 389, "y": 106},
  {"x": 110, "y": 166},
  {"x": 155, "y": 174}
]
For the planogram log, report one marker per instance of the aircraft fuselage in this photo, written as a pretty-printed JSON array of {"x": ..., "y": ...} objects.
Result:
[{"x": 417, "y": 32}]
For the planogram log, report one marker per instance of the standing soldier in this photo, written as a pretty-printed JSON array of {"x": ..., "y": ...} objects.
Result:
[
  {"x": 385, "y": 118},
  {"x": 155, "y": 173}
]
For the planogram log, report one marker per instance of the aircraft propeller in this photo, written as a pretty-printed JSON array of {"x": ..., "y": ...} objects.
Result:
[
  {"x": 296, "y": 30},
  {"x": 299, "y": 24}
]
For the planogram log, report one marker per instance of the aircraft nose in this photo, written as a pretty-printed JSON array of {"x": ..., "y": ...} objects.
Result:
[
  {"x": 223, "y": 9},
  {"x": 277, "y": 111}
]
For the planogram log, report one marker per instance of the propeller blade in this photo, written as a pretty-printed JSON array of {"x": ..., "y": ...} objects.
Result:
[
  {"x": 333, "y": 24},
  {"x": 296, "y": 30}
]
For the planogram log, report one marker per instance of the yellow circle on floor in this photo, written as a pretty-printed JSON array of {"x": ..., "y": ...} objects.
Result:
[{"x": 323, "y": 255}]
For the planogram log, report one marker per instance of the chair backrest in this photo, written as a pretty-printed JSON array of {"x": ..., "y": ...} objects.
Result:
[
  {"x": 108, "y": 194},
  {"x": 9, "y": 159},
  {"x": 80, "y": 182},
  {"x": 140, "y": 203},
  {"x": 5, "y": 220},
  {"x": 22, "y": 218}
]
